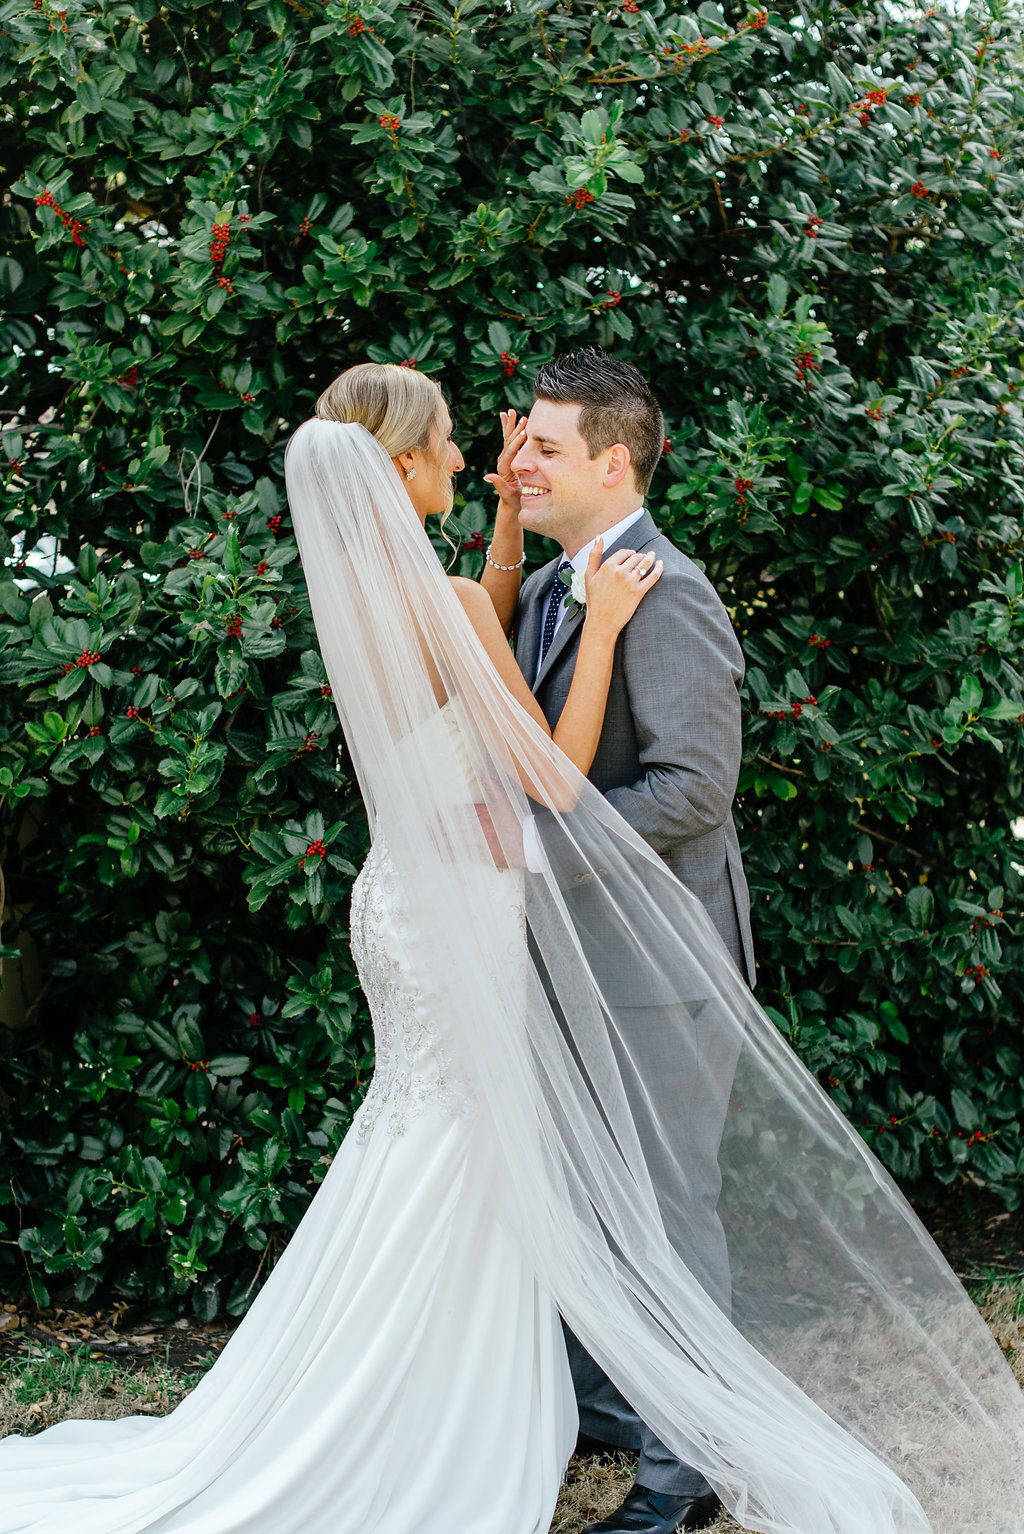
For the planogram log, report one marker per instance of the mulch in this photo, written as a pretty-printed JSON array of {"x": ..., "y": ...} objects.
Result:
[
  {"x": 979, "y": 1239},
  {"x": 182, "y": 1346}
]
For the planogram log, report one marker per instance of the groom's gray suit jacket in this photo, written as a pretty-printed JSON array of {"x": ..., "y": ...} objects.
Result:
[
  {"x": 669, "y": 752},
  {"x": 668, "y": 760}
]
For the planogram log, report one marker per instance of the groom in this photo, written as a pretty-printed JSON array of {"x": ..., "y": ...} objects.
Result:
[{"x": 667, "y": 760}]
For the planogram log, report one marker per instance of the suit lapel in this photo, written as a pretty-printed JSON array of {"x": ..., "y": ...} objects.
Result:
[
  {"x": 642, "y": 532},
  {"x": 567, "y": 631}
]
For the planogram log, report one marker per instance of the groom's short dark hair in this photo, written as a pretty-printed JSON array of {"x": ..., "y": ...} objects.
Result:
[{"x": 616, "y": 405}]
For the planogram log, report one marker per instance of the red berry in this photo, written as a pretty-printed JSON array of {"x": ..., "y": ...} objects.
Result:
[
  {"x": 919, "y": 189},
  {"x": 315, "y": 849}
]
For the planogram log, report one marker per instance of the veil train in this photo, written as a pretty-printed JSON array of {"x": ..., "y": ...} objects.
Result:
[{"x": 798, "y": 1338}]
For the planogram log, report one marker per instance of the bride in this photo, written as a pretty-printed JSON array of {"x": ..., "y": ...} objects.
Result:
[{"x": 402, "y": 1371}]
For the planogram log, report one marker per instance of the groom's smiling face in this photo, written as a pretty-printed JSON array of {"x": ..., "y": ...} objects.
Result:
[{"x": 564, "y": 490}]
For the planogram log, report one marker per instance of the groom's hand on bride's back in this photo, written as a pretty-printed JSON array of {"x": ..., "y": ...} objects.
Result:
[{"x": 504, "y": 843}]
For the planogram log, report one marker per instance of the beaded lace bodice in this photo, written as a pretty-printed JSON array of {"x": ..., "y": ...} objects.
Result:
[
  {"x": 412, "y": 1070},
  {"x": 416, "y": 1058}
]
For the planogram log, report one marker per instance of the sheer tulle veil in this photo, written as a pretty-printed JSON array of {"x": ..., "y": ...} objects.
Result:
[{"x": 839, "y": 1381}]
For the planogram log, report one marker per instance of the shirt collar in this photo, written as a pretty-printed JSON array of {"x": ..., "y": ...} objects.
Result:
[{"x": 579, "y": 559}]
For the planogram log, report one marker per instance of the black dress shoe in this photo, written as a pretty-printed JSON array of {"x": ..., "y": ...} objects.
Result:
[{"x": 658, "y": 1512}]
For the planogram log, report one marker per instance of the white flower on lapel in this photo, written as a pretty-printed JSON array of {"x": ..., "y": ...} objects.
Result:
[{"x": 576, "y": 583}]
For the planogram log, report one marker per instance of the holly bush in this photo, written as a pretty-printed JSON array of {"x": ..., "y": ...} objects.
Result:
[{"x": 805, "y": 225}]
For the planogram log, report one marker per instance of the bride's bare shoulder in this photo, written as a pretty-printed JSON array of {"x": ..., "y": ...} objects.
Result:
[{"x": 472, "y": 595}]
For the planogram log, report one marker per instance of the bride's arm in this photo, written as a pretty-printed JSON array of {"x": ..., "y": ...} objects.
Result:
[
  {"x": 615, "y": 590},
  {"x": 506, "y": 549}
]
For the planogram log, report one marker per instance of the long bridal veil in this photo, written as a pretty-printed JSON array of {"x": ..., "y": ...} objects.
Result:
[{"x": 712, "y": 1230}]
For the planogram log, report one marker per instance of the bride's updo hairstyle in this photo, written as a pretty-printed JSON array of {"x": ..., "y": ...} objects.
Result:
[{"x": 399, "y": 406}]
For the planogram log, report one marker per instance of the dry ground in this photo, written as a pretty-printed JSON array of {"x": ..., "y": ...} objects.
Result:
[{"x": 60, "y": 1365}]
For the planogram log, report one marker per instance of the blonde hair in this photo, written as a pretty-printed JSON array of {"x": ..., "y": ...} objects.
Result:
[{"x": 399, "y": 406}]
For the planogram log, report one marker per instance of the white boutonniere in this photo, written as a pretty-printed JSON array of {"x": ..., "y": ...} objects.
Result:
[{"x": 576, "y": 583}]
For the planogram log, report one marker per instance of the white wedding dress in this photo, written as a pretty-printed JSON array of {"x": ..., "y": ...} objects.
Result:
[{"x": 400, "y": 1372}]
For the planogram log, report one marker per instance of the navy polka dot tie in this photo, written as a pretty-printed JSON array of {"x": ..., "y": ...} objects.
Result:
[{"x": 555, "y": 600}]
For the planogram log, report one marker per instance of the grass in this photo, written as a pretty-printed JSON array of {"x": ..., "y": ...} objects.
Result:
[{"x": 45, "y": 1383}]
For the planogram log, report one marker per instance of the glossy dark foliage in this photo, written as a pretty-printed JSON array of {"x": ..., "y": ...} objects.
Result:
[{"x": 805, "y": 226}]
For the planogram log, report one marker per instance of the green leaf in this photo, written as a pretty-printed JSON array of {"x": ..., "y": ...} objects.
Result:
[
  {"x": 499, "y": 338},
  {"x": 778, "y": 291},
  {"x": 232, "y": 553},
  {"x": 592, "y": 126},
  {"x": 12, "y": 274},
  {"x": 920, "y": 907},
  {"x": 229, "y": 1065},
  {"x": 964, "y": 1111}
]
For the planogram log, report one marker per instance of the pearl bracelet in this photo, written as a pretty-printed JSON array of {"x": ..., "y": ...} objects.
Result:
[{"x": 494, "y": 564}]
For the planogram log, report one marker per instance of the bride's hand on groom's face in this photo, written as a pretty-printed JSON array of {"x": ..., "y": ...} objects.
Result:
[{"x": 504, "y": 480}]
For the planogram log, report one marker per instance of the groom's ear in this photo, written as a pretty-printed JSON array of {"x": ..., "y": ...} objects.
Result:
[{"x": 619, "y": 464}]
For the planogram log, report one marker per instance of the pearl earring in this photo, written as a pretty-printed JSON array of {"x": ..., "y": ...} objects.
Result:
[{"x": 410, "y": 473}]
